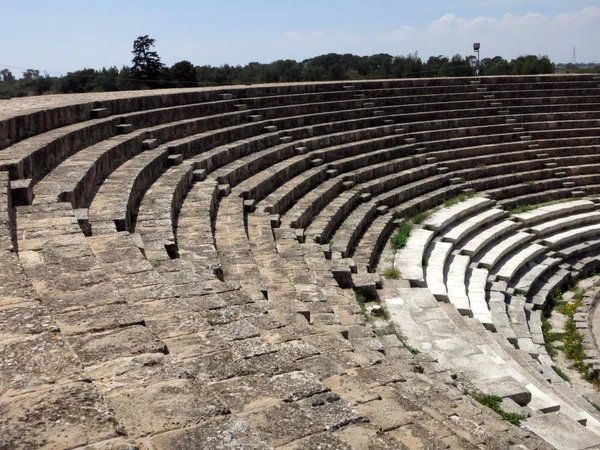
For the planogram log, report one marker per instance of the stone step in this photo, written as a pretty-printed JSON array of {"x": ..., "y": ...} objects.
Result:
[
  {"x": 410, "y": 140},
  {"x": 399, "y": 131},
  {"x": 199, "y": 174},
  {"x": 533, "y": 146},
  {"x": 542, "y": 155},
  {"x": 481, "y": 89},
  {"x": 349, "y": 87},
  {"x": 347, "y": 185},
  {"x": 224, "y": 190},
  {"x": 564, "y": 222},
  {"x": 316, "y": 162},
  {"x": 518, "y": 129},
  {"x": 456, "y": 180},
  {"x": 503, "y": 111},
  {"x": 379, "y": 112},
  {"x": 486, "y": 236},
  {"x": 226, "y": 96},
  {"x": 332, "y": 173},
  {"x": 511, "y": 120},
  {"x": 21, "y": 192},
  {"x": 99, "y": 113},
  {"x": 409, "y": 260},
  {"x": 249, "y": 206},
  {"x": 447, "y": 216},
  {"x": 573, "y": 234},
  {"x": 477, "y": 297},
  {"x": 271, "y": 129},
  {"x": 475, "y": 81},
  {"x": 421, "y": 150},
  {"x": 431, "y": 160},
  {"x": 367, "y": 196},
  {"x": 508, "y": 268},
  {"x": 526, "y": 138},
  {"x": 578, "y": 193},
  {"x": 256, "y": 118},
  {"x": 286, "y": 139},
  {"x": 442, "y": 170},
  {"x": 174, "y": 160},
  {"x": 434, "y": 270},
  {"x": 456, "y": 285},
  {"x": 388, "y": 121},
  {"x": 495, "y": 103},
  {"x": 124, "y": 128},
  {"x": 560, "y": 174},
  {"x": 561, "y": 431},
  {"x": 550, "y": 165},
  {"x": 149, "y": 144},
  {"x": 241, "y": 107},
  {"x": 547, "y": 212},
  {"x": 493, "y": 255},
  {"x": 368, "y": 105},
  {"x": 301, "y": 150},
  {"x": 359, "y": 96},
  {"x": 381, "y": 210},
  {"x": 462, "y": 228},
  {"x": 569, "y": 184}
]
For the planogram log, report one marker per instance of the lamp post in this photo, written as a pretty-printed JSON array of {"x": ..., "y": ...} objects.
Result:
[{"x": 476, "y": 47}]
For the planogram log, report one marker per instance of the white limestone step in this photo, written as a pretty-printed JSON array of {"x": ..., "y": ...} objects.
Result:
[
  {"x": 554, "y": 210},
  {"x": 506, "y": 270},
  {"x": 500, "y": 316},
  {"x": 434, "y": 271},
  {"x": 562, "y": 432},
  {"x": 447, "y": 216},
  {"x": 566, "y": 222},
  {"x": 456, "y": 284},
  {"x": 439, "y": 336},
  {"x": 495, "y": 253},
  {"x": 529, "y": 367},
  {"x": 483, "y": 238},
  {"x": 409, "y": 260},
  {"x": 542, "y": 399},
  {"x": 536, "y": 270},
  {"x": 462, "y": 229},
  {"x": 476, "y": 291},
  {"x": 571, "y": 235}
]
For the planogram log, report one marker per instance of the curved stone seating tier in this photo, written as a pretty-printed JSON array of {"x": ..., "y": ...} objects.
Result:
[
  {"x": 158, "y": 210},
  {"x": 193, "y": 254},
  {"x": 118, "y": 195},
  {"x": 195, "y": 228}
]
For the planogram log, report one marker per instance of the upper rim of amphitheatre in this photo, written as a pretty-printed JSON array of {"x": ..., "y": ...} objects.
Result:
[{"x": 10, "y": 108}]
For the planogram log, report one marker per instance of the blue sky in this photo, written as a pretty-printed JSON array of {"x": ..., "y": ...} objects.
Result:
[{"x": 60, "y": 36}]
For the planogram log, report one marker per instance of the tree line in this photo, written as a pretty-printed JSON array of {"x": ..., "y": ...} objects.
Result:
[{"x": 148, "y": 72}]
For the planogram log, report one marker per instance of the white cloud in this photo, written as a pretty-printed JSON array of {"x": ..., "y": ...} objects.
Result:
[
  {"x": 509, "y": 35},
  {"x": 296, "y": 36},
  {"x": 404, "y": 33}
]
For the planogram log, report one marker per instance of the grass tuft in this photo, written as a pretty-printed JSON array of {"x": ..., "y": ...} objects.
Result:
[
  {"x": 518, "y": 209},
  {"x": 419, "y": 218},
  {"x": 493, "y": 402},
  {"x": 392, "y": 273},
  {"x": 457, "y": 199},
  {"x": 401, "y": 235}
]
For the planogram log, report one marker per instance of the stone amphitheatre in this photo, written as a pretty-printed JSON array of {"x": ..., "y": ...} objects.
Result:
[{"x": 180, "y": 268}]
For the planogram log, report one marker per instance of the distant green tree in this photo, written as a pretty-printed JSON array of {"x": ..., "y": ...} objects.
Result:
[
  {"x": 146, "y": 63},
  {"x": 184, "y": 74},
  {"x": 31, "y": 74},
  {"x": 7, "y": 76}
]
